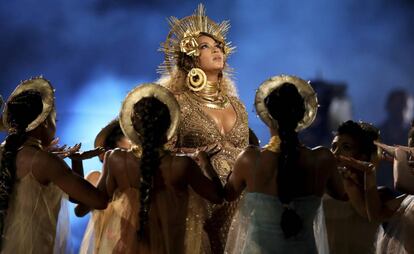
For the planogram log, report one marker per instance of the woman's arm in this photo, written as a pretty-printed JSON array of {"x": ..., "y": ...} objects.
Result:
[
  {"x": 236, "y": 180},
  {"x": 209, "y": 187},
  {"x": 82, "y": 209},
  {"x": 53, "y": 169},
  {"x": 327, "y": 161},
  {"x": 353, "y": 179},
  {"x": 376, "y": 209},
  {"x": 403, "y": 173}
]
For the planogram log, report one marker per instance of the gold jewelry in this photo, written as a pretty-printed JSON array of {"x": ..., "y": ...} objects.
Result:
[
  {"x": 147, "y": 90},
  {"x": 210, "y": 96},
  {"x": 183, "y": 35},
  {"x": 305, "y": 90},
  {"x": 274, "y": 144},
  {"x": 196, "y": 79},
  {"x": 136, "y": 150},
  {"x": 38, "y": 84},
  {"x": 31, "y": 141}
]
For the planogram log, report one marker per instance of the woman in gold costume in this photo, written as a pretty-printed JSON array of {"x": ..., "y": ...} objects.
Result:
[{"x": 213, "y": 117}]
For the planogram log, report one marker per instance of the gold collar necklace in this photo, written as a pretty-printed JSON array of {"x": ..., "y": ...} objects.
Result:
[
  {"x": 34, "y": 142},
  {"x": 210, "y": 96}
]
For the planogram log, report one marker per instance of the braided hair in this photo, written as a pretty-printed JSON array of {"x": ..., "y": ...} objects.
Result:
[
  {"x": 21, "y": 111},
  {"x": 287, "y": 107},
  {"x": 151, "y": 120}
]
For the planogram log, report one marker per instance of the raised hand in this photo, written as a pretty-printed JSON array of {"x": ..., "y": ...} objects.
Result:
[
  {"x": 67, "y": 151},
  {"x": 387, "y": 152},
  {"x": 54, "y": 146},
  {"x": 86, "y": 154},
  {"x": 211, "y": 150},
  {"x": 364, "y": 166}
]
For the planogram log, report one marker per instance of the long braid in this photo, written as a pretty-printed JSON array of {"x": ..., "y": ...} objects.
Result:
[
  {"x": 287, "y": 106},
  {"x": 151, "y": 121},
  {"x": 22, "y": 110},
  {"x": 291, "y": 223}
]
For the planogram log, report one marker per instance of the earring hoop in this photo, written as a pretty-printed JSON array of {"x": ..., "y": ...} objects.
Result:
[{"x": 196, "y": 79}]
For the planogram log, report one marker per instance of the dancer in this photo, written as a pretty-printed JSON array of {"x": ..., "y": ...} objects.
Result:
[
  {"x": 195, "y": 70},
  {"x": 31, "y": 178},
  {"x": 109, "y": 138},
  {"x": 149, "y": 191},
  {"x": 285, "y": 180},
  {"x": 396, "y": 212},
  {"x": 403, "y": 160},
  {"x": 348, "y": 228}
]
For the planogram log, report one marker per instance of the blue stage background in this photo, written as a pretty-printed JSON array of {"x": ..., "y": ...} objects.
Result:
[{"x": 95, "y": 51}]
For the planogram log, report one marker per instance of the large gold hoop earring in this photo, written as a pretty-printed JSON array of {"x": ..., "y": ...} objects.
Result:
[{"x": 196, "y": 79}]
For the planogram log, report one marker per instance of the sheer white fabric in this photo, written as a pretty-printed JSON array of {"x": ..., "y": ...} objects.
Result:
[
  {"x": 32, "y": 221},
  {"x": 168, "y": 229},
  {"x": 256, "y": 226},
  {"x": 399, "y": 231},
  {"x": 348, "y": 232},
  {"x": 319, "y": 230}
]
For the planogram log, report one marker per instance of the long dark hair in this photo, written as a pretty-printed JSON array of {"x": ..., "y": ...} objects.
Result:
[
  {"x": 22, "y": 110},
  {"x": 286, "y": 105},
  {"x": 151, "y": 120}
]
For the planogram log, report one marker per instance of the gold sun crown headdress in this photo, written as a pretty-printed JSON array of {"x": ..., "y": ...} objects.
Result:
[{"x": 183, "y": 35}]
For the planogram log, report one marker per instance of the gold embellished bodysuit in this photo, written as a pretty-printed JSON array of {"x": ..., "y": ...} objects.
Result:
[{"x": 197, "y": 129}]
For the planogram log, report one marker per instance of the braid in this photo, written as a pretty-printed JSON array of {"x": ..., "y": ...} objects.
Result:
[
  {"x": 22, "y": 110},
  {"x": 151, "y": 121},
  {"x": 286, "y": 105},
  {"x": 291, "y": 223}
]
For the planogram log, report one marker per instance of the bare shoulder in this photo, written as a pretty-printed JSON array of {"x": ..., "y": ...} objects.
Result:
[
  {"x": 44, "y": 158},
  {"x": 116, "y": 155},
  {"x": 322, "y": 154},
  {"x": 116, "y": 158},
  {"x": 248, "y": 155},
  {"x": 46, "y": 166}
]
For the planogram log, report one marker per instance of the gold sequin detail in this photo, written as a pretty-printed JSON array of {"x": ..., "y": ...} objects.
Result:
[{"x": 197, "y": 129}]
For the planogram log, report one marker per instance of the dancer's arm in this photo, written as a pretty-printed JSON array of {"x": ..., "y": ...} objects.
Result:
[
  {"x": 353, "y": 179},
  {"x": 82, "y": 209},
  {"x": 327, "y": 161},
  {"x": 403, "y": 173},
  {"x": 236, "y": 180},
  {"x": 376, "y": 209},
  {"x": 50, "y": 168},
  {"x": 207, "y": 185}
]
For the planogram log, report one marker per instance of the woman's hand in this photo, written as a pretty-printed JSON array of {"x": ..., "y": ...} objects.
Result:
[
  {"x": 64, "y": 151},
  {"x": 387, "y": 152},
  {"x": 202, "y": 158},
  {"x": 54, "y": 146},
  {"x": 364, "y": 166},
  {"x": 80, "y": 156},
  {"x": 211, "y": 150}
]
